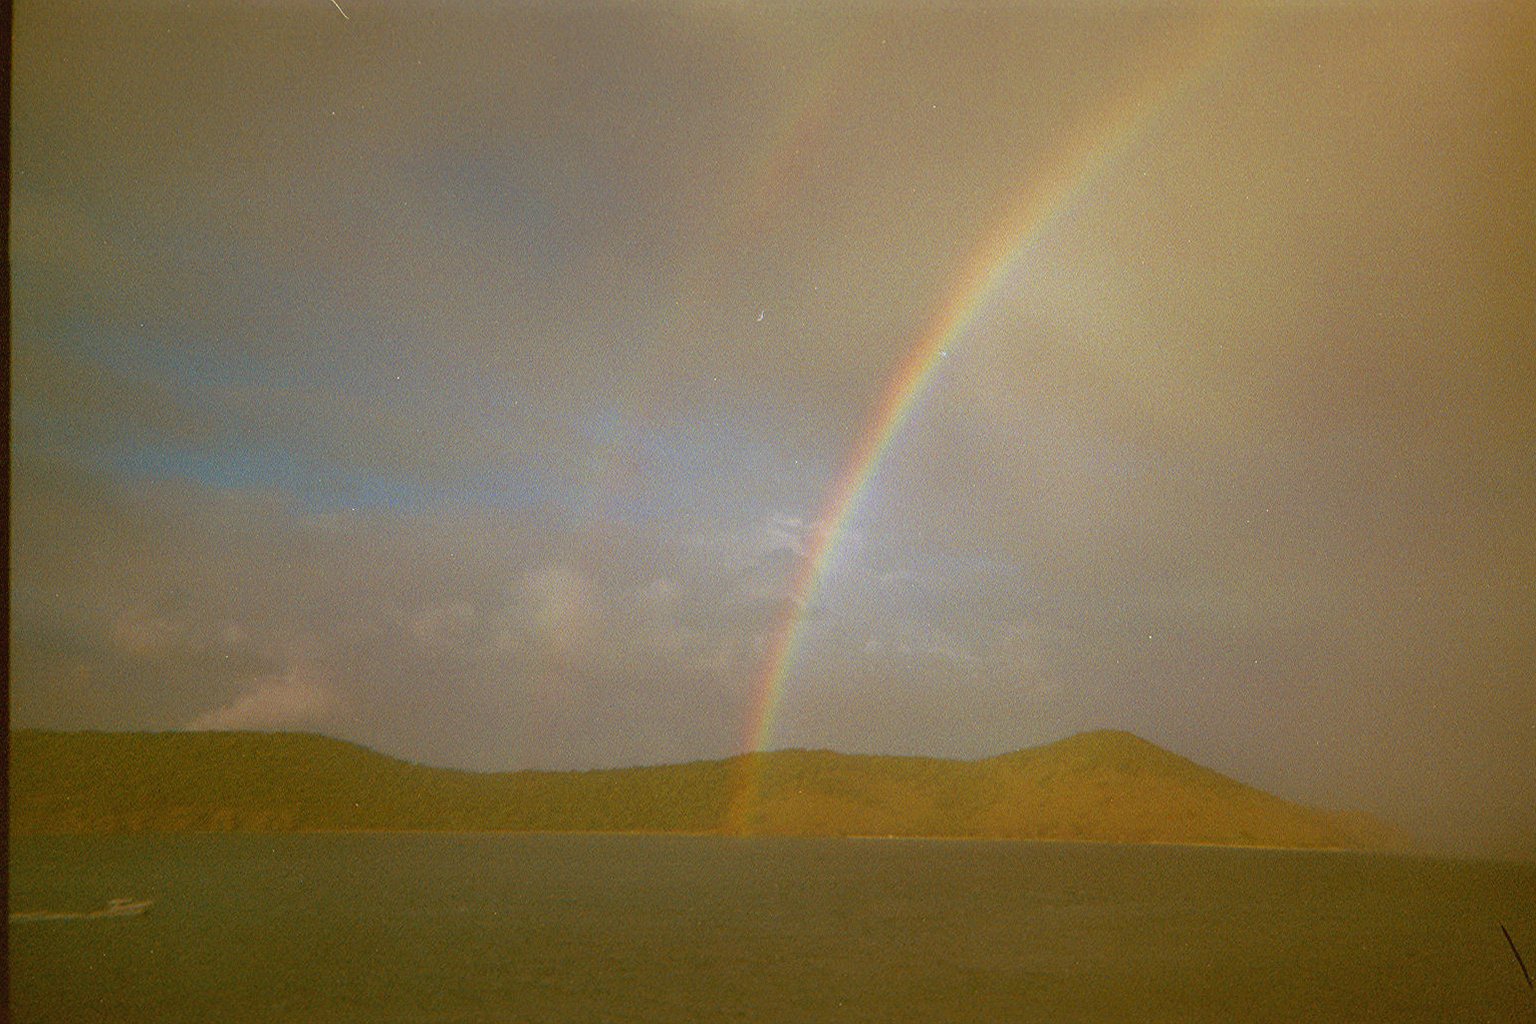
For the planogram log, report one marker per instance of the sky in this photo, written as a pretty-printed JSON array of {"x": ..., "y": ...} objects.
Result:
[{"x": 568, "y": 386}]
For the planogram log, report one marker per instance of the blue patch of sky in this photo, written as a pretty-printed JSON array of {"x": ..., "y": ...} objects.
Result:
[
  {"x": 670, "y": 478},
  {"x": 730, "y": 464},
  {"x": 511, "y": 489},
  {"x": 621, "y": 466},
  {"x": 217, "y": 468},
  {"x": 494, "y": 188},
  {"x": 490, "y": 184},
  {"x": 709, "y": 470},
  {"x": 314, "y": 488}
]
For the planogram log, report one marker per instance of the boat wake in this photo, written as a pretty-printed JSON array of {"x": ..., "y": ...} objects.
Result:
[{"x": 117, "y": 908}]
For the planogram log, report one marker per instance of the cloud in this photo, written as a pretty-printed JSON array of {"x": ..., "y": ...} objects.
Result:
[
  {"x": 769, "y": 581},
  {"x": 294, "y": 700},
  {"x": 434, "y": 339},
  {"x": 442, "y": 634},
  {"x": 445, "y": 626},
  {"x": 140, "y": 631},
  {"x": 658, "y": 618},
  {"x": 936, "y": 649},
  {"x": 556, "y": 606}
]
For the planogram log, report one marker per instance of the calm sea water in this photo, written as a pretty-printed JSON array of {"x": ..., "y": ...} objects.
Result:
[{"x": 646, "y": 928}]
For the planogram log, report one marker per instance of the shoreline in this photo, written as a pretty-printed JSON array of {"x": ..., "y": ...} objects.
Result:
[
  {"x": 644, "y": 833},
  {"x": 1103, "y": 787}
]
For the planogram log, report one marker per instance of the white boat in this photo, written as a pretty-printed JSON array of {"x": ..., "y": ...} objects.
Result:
[{"x": 117, "y": 908}]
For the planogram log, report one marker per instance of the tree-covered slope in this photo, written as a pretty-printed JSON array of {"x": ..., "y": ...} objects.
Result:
[{"x": 1104, "y": 786}]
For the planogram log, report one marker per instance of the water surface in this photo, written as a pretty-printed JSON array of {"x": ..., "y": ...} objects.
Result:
[{"x": 673, "y": 928}]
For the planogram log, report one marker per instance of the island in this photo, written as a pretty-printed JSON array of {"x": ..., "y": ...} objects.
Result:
[{"x": 1102, "y": 786}]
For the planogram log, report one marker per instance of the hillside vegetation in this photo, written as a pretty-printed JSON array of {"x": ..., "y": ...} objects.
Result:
[{"x": 1104, "y": 786}]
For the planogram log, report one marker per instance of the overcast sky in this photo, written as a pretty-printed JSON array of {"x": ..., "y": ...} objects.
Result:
[{"x": 466, "y": 380}]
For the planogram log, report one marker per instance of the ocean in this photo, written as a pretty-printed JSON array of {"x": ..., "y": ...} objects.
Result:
[{"x": 591, "y": 928}]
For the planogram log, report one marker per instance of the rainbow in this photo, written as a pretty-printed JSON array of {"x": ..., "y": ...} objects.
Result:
[
  {"x": 795, "y": 131},
  {"x": 1069, "y": 175}
]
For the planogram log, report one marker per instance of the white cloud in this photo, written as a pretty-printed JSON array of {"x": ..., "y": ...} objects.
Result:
[
  {"x": 276, "y": 702},
  {"x": 940, "y": 648},
  {"x": 557, "y": 606},
  {"x": 141, "y": 631}
]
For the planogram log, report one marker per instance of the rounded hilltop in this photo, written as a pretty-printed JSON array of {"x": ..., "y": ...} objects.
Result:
[{"x": 1106, "y": 785}]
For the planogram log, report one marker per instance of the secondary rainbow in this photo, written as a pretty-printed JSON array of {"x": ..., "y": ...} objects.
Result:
[{"x": 1076, "y": 167}]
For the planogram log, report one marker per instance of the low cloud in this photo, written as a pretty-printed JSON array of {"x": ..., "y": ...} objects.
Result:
[{"x": 294, "y": 700}]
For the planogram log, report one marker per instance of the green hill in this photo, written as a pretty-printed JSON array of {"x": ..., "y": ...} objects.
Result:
[{"x": 1102, "y": 786}]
